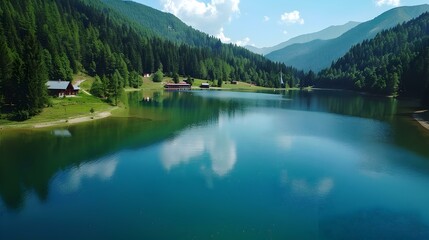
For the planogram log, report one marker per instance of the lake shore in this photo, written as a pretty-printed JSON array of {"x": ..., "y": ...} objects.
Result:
[
  {"x": 62, "y": 122},
  {"x": 419, "y": 117}
]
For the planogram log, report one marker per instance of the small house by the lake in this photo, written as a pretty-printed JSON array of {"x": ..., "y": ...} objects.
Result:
[
  {"x": 178, "y": 86},
  {"x": 60, "y": 88},
  {"x": 205, "y": 85}
]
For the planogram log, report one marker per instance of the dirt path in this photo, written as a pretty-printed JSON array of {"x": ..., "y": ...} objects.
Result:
[
  {"x": 95, "y": 116},
  {"x": 78, "y": 82},
  {"x": 75, "y": 120},
  {"x": 86, "y": 92}
]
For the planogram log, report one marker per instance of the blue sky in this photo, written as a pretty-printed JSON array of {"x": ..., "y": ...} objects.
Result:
[{"x": 269, "y": 22}]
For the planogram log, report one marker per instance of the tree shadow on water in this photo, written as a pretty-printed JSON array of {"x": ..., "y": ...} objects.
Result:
[{"x": 375, "y": 224}]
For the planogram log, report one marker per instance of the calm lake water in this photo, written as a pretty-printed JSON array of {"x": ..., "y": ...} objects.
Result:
[{"x": 222, "y": 165}]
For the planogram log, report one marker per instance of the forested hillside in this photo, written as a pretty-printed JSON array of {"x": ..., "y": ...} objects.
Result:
[
  {"x": 162, "y": 24},
  {"x": 319, "y": 54},
  {"x": 52, "y": 39},
  {"x": 396, "y": 61}
]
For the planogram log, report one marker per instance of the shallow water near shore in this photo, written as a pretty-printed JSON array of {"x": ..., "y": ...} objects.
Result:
[{"x": 222, "y": 165}]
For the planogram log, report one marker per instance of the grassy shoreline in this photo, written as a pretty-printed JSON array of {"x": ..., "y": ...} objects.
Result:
[
  {"x": 85, "y": 107},
  {"x": 65, "y": 111},
  {"x": 77, "y": 109}
]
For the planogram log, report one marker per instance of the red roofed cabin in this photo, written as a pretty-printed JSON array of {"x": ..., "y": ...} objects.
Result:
[
  {"x": 60, "y": 88},
  {"x": 177, "y": 86}
]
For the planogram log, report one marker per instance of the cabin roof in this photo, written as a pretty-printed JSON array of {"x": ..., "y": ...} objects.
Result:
[
  {"x": 57, "y": 85},
  {"x": 178, "y": 84}
]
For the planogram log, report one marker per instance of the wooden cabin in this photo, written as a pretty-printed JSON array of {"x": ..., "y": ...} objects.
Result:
[
  {"x": 178, "y": 86},
  {"x": 60, "y": 88},
  {"x": 205, "y": 85}
]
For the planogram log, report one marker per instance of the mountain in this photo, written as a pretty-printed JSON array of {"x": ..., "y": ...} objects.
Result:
[
  {"x": 164, "y": 25},
  {"x": 319, "y": 54},
  {"x": 327, "y": 33},
  {"x": 395, "y": 62}
]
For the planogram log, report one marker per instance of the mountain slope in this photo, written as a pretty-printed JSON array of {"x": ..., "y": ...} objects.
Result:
[
  {"x": 164, "y": 25},
  {"x": 396, "y": 61},
  {"x": 327, "y": 33},
  {"x": 318, "y": 54}
]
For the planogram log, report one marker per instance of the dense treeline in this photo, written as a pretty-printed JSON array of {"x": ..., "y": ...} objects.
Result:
[
  {"x": 395, "y": 62},
  {"x": 52, "y": 39}
]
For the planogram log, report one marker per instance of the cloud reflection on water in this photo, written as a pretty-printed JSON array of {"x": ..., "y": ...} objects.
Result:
[
  {"x": 303, "y": 187},
  {"x": 196, "y": 142},
  {"x": 103, "y": 170},
  {"x": 285, "y": 142}
]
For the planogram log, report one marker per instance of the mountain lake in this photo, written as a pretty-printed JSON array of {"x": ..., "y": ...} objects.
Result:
[{"x": 222, "y": 165}]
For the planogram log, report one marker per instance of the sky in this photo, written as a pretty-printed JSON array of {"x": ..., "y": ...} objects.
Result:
[{"x": 270, "y": 22}]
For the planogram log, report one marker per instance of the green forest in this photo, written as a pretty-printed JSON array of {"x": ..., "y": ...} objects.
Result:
[
  {"x": 43, "y": 40},
  {"x": 395, "y": 62}
]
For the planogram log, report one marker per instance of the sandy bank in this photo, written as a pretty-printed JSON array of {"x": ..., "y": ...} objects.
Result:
[
  {"x": 419, "y": 118},
  {"x": 99, "y": 115}
]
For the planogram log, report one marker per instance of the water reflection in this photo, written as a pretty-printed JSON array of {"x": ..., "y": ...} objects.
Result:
[
  {"x": 61, "y": 133},
  {"x": 284, "y": 142},
  {"x": 48, "y": 152},
  {"x": 304, "y": 188},
  {"x": 184, "y": 137},
  {"x": 102, "y": 170},
  {"x": 341, "y": 102},
  {"x": 31, "y": 158},
  {"x": 196, "y": 142}
]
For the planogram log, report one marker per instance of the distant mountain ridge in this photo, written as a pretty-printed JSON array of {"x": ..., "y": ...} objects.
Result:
[
  {"x": 319, "y": 54},
  {"x": 325, "y": 34}
]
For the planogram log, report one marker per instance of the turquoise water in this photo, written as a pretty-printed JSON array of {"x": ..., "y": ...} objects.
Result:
[{"x": 222, "y": 165}]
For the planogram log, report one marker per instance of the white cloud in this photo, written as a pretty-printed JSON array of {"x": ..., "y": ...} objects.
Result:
[
  {"x": 208, "y": 17},
  {"x": 222, "y": 37},
  {"x": 243, "y": 42},
  {"x": 292, "y": 17},
  {"x": 285, "y": 32},
  {"x": 388, "y": 2},
  {"x": 266, "y": 18}
]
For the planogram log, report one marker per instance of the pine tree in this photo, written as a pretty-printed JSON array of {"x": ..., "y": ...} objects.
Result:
[
  {"x": 6, "y": 61},
  {"x": 176, "y": 78},
  {"x": 97, "y": 87},
  {"x": 158, "y": 76},
  {"x": 32, "y": 79}
]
